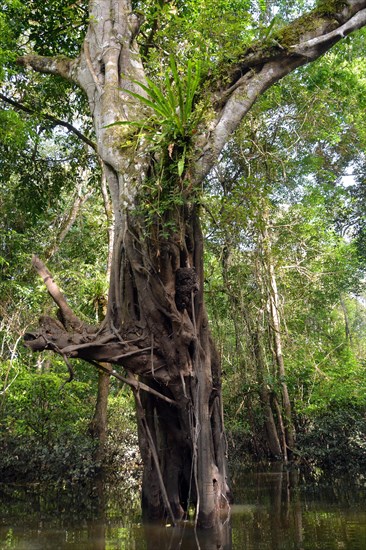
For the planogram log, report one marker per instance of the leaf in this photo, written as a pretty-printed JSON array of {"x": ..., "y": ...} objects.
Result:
[
  {"x": 126, "y": 123},
  {"x": 154, "y": 105},
  {"x": 178, "y": 84},
  {"x": 181, "y": 163},
  {"x": 170, "y": 149},
  {"x": 270, "y": 27}
]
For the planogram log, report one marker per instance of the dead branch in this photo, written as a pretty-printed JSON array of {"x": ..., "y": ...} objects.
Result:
[
  {"x": 56, "y": 121},
  {"x": 69, "y": 319},
  {"x": 137, "y": 385}
]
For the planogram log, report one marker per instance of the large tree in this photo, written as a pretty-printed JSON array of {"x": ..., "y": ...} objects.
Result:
[{"x": 157, "y": 140}]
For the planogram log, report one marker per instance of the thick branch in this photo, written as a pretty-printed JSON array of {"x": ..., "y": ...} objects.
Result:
[
  {"x": 73, "y": 338},
  {"x": 262, "y": 65},
  {"x": 312, "y": 47},
  {"x": 69, "y": 319},
  {"x": 60, "y": 66}
]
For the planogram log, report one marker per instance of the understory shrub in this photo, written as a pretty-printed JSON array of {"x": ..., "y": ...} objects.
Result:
[{"x": 335, "y": 439}]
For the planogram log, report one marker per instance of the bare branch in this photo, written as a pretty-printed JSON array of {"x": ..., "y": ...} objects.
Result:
[
  {"x": 68, "y": 316},
  {"x": 53, "y": 119},
  {"x": 137, "y": 385},
  {"x": 60, "y": 65}
]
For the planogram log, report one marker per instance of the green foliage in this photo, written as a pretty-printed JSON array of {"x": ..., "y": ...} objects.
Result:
[
  {"x": 54, "y": 28},
  {"x": 287, "y": 162},
  {"x": 9, "y": 29},
  {"x": 173, "y": 107},
  {"x": 40, "y": 165},
  {"x": 123, "y": 456},
  {"x": 175, "y": 117},
  {"x": 43, "y": 428},
  {"x": 328, "y": 7},
  {"x": 160, "y": 202},
  {"x": 334, "y": 440},
  {"x": 196, "y": 29},
  {"x": 37, "y": 406},
  {"x": 169, "y": 131},
  {"x": 302, "y": 135},
  {"x": 13, "y": 130},
  {"x": 69, "y": 459}
]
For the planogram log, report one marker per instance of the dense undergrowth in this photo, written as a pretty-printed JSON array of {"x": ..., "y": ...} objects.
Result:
[{"x": 44, "y": 436}]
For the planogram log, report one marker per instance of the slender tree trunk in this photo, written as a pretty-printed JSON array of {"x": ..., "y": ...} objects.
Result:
[
  {"x": 275, "y": 329},
  {"x": 273, "y": 440},
  {"x": 257, "y": 346},
  {"x": 282, "y": 431},
  {"x": 346, "y": 322},
  {"x": 98, "y": 425}
]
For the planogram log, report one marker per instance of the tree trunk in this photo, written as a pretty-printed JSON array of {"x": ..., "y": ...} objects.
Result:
[
  {"x": 273, "y": 440},
  {"x": 275, "y": 330},
  {"x": 347, "y": 327},
  {"x": 98, "y": 425},
  {"x": 182, "y": 446}
]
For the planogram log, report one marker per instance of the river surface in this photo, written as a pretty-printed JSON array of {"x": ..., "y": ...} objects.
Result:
[{"x": 274, "y": 510}]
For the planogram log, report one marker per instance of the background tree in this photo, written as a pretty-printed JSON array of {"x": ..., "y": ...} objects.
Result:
[{"x": 282, "y": 182}]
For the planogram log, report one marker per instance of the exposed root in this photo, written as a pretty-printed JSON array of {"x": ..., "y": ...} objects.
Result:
[
  {"x": 144, "y": 424},
  {"x": 70, "y": 337}
]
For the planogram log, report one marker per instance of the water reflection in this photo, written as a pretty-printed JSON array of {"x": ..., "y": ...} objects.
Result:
[
  {"x": 279, "y": 510},
  {"x": 275, "y": 510}
]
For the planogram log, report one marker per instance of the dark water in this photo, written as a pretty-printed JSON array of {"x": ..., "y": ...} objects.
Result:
[{"x": 274, "y": 511}]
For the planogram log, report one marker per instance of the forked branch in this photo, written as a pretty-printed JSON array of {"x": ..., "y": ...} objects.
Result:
[
  {"x": 56, "y": 121},
  {"x": 264, "y": 64}
]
